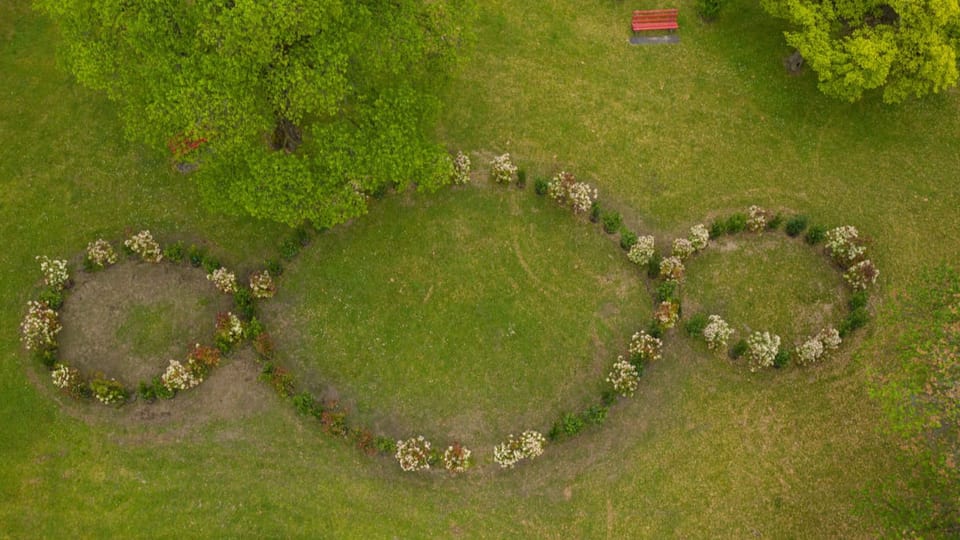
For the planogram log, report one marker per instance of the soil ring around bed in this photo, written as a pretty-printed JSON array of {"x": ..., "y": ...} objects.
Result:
[{"x": 129, "y": 320}]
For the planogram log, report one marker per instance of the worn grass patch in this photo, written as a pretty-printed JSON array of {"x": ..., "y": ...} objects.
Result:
[
  {"x": 466, "y": 314},
  {"x": 766, "y": 283}
]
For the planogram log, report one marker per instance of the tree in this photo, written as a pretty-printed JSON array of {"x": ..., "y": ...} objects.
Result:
[
  {"x": 906, "y": 47},
  {"x": 293, "y": 109}
]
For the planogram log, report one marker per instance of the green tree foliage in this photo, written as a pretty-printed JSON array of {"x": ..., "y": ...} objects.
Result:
[
  {"x": 904, "y": 47},
  {"x": 921, "y": 397},
  {"x": 293, "y": 109}
]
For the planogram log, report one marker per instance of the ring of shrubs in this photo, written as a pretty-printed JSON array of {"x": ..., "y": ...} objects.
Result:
[
  {"x": 41, "y": 324},
  {"x": 416, "y": 453}
]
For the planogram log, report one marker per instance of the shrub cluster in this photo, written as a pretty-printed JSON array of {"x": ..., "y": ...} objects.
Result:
[
  {"x": 515, "y": 449},
  {"x": 502, "y": 169},
  {"x": 625, "y": 377},
  {"x": 262, "y": 285},
  {"x": 414, "y": 454},
  {"x": 567, "y": 191},
  {"x": 642, "y": 251},
  {"x": 224, "y": 280},
  {"x": 145, "y": 246},
  {"x": 762, "y": 349},
  {"x": 461, "y": 169},
  {"x": 99, "y": 254}
]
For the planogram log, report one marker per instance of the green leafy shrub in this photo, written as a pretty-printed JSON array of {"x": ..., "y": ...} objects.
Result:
[
  {"x": 857, "y": 318},
  {"x": 695, "y": 324},
  {"x": 568, "y": 425},
  {"x": 815, "y": 234},
  {"x": 155, "y": 389},
  {"x": 385, "y": 445},
  {"x": 667, "y": 290},
  {"x": 305, "y": 404},
  {"x": 655, "y": 330},
  {"x": 289, "y": 248},
  {"x": 775, "y": 222},
  {"x": 739, "y": 349},
  {"x": 174, "y": 252},
  {"x": 653, "y": 266},
  {"x": 608, "y": 397},
  {"x": 108, "y": 391},
  {"x": 541, "y": 186},
  {"x": 52, "y": 297},
  {"x": 782, "y": 359},
  {"x": 611, "y": 221},
  {"x": 279, "y": 379},
  {"x": 858, "y": 300},
  {"x": 274, "y": 266},
  {"x": 302, "y": 235},
  {"x": 796, "y": 225},
  {"x": 253, "y": 329},
  {"x": 196, "y": 256},
  {"x": 736, "y": 223},
  {"x": 596, "y": 414},
  {"x": 718, "y": 228},
  {"x": 521, "y": 178},
  {"x": 244, "y": 303},
  {"x": 627, "y": 239},
  {"x": 595, "y": 212},
  {"x": 210, "y": 263},
  {"x": 708, "y": 9}
]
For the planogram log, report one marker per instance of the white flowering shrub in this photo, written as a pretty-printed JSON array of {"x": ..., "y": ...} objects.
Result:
[
  {"x": 642, "y": 251},
  {"x": 229, "y": 330},
  {"x": 762, "y": 349},
  {"x": 644, "y": 347},
  {"x": 582, "y": 196},
  {"x": 145, "y": 246},
  {"x": 528, "y": 445},
  {"x": 682, "y": 248},
  {"x": 845, "y": 245},
  {"x": 717, "y": 332},
  {"x": 666, "y": 314},
  {"x": 100, "y": 254},
  {"x": 414, "y": 454},
  {"x": 224, "y": 280},
  {"x": 757, "y": 219},
  {"x": 565, "y": 189},
  {"x": 624, "y": 377},
  {"x": 262, "y": 285},
  {"x": 456, "y": 458},
  {"x": 108, "y": 391},
  {"x": 55, "y": 273},
  {"x": 65, "y": 377},
  {"x": 179, "y": 377},
  {"x": 461, "y": 169},
  {"x": 671, "y": 268},
  {"x": 815, "y": 348},
  {"x": 830, "y": 337},
  {"x": 809, "y": 351},
  {"x": 861, "y": 275},
  {"x": 40, "y": 326},
  {"x": 699, "y": 236},
  {"x": 502, "y": 169}
]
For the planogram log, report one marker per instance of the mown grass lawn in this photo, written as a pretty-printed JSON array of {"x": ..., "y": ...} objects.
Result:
[{"x": 670, "y": 135}]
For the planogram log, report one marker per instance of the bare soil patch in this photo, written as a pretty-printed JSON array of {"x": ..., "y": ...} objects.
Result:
[{"x": 129, "y": 320}]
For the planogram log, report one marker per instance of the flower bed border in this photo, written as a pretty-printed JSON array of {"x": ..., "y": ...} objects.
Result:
[{"x": 416, "y": 453}]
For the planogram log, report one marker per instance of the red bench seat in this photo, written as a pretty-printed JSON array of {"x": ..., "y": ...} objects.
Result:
[{"x": 655, "y": 19}]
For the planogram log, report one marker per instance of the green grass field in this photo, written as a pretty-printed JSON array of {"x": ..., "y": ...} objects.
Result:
[{"x": 671, "y": 136}]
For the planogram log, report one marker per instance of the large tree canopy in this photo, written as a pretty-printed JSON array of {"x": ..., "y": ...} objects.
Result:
[
  {"x": 294, "y": 109},
  {"x": 906, "y": 47}
]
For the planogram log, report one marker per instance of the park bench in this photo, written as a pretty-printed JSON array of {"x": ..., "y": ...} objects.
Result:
[{"x": 655, "y": 19}]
